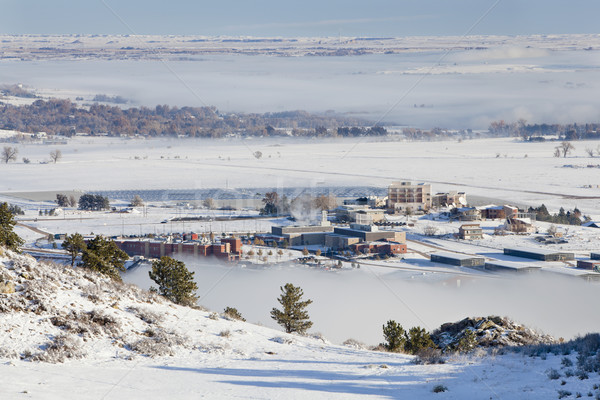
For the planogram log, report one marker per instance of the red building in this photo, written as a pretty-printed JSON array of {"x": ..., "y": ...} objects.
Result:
[
  {"x": 229, "y": 248},
  {"x": 379, "y": 248}
]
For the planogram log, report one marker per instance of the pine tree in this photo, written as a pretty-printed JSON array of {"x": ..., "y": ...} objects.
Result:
[
  {"x": 103, "y": 255},
  {"x": 8, "y": 238},
  {"x": 418, "y": 339},
  {"x": 395, "y": 336},
  {"x": 74, "y": 244},
  {"x": 293, "y": 317},
  {"x": 174, "y": 280}
]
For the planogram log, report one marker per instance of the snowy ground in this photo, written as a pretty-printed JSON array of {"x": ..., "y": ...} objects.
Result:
[
  {"x": 116, "y": 356},
  {"x": 505, "y": 168}
]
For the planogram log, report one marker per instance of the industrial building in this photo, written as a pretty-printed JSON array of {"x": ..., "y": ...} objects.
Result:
[
  {"x": 508, "y": 266},
  {"x": 227, "y": 248},
  {"x": 461, "y": 260},
  {"x": 338, "y": 238},
  {"x": 575, "y": 272},
  {"x": 539, "y": 254},
  {"x": 589, "y": 264},
  {"x": 379, "y": 248}
]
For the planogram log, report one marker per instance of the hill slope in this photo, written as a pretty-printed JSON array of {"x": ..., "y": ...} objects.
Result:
[{"x": 68, "y": 332}]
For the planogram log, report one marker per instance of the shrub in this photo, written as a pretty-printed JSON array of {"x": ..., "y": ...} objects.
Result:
[
  {"x": 232, "y": 313},
  {"x": 225, "y": 333},
  {"x": 429, "y": 356},
  {"x": 563, "y": 394},
  {"x": 566, "y": 362},
  {"x": 158, "y": 343},
  {"x": 148, "y": 316},
  {"x": 354, "y": 344},
  {"x": 61, "y": 348},
  {"x": 7, "y": 287},
  {"x": 552, "y": 374},
  {"x": 582, "y": 375},
  {"x": 439, "y": 389},
  {"x": 214, "y": 316}
]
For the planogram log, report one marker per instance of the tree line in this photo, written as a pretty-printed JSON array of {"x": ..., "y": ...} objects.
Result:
[
  {"x": 536, "y": 132},
  {"x": 58, "y": 116}
]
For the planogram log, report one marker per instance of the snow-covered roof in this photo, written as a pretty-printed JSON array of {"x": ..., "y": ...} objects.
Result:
[
  {"x": 534, "y": 250},
  {"x": 512, "y": 265},
  {"x": 456, "y": 256}
]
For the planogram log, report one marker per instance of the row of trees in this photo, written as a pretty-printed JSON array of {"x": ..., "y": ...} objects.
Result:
[
  {"x": 303, "y": 204},
  {"x": 571, "y": 217},
  {"x": 9, "y": 153},
  {"x": 93, "y": 202},
  {"x": 57, "y": 116},
  {"x": 527, "y": 131},
  {"x": 417, "y": 339}
]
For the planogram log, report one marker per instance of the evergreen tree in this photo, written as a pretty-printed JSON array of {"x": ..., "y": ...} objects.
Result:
[
  {"x": 62, "y": 200},
  {"x": 74, "y": 244},
  {"x": 103, "y": 255},
  {"x": 293, "y": 317},
  {"x": 8, "y": 238},
  {"x": 418, "y": 339},
  {"x": 93, "y": 202},
  {"x": 467, "y": 342},
  {"x": 174, "y": 280},
  {"x": 395, "y": 336}
]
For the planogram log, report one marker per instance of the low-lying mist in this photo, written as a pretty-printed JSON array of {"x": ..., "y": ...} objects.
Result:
[{"x": 356, "y": 303}]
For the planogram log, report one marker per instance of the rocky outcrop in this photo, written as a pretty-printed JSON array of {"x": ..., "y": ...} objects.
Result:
[{"x": 491, "y": 331}]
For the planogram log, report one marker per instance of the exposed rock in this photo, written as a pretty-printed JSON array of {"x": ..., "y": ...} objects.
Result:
[{"x": 491, "y": 331}]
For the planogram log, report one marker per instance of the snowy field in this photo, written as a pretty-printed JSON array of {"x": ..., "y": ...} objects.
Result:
[
  {"x": 505, "y": 169},
  {"x": 408, "y": 293}
]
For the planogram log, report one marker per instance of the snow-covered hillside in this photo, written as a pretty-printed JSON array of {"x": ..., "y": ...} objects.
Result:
[{"x": 68, "y": 332}]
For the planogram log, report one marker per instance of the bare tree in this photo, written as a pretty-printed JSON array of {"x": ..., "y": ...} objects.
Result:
[
  {"x": 565, "y": 148},
  {"x": 72, "y": 201},
  {"x": 9, "y": 154},
  {"x": 590, "y": 152},
  {"x": 430, "y": 230},
  {"x": 137, "y": 201},
  {"x": 557, "y": 152},
  {"x": 325, "y": 202},
  {"x": 208, "y": 203},
  {"x": 55, "y": 155}
]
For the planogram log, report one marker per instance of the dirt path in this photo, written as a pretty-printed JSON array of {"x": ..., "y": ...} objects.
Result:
[{"x": 34, "y": 229}]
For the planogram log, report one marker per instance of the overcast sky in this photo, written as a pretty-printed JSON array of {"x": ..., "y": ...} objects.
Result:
[{"x": 299, "y": 18}]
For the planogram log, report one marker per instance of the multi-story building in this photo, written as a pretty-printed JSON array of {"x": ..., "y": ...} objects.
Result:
[
  {"x": 406, "y": 196},
  {"x": 470, "y": 232},
  {"x": 450, "y": 198}
]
